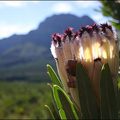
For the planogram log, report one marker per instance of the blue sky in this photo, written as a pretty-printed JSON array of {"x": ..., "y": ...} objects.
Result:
[{"x": 19, "y": 17}]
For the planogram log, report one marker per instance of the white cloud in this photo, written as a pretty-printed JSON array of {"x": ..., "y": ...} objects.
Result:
[
  {"x": 16, "y": 3},
  {"x": 99, "y": 18},
  {"x": 87, "y": 4},
  {"x": 7, "y": 30},
  {"x": 12, "y": 3},
  {"x": 62, "y": 8}
]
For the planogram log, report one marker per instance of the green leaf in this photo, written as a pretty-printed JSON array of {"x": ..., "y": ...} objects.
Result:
[
  {"x": 87, "y": 98},
  {"x": 50, "y": 112},
  {"x": 62, "y": 114},
  {"x": 117, "y": 25},
  {"x": 53, "y": 76},
  {"x": 108, "y": 97},
  {"x": 64, "y": 103}
]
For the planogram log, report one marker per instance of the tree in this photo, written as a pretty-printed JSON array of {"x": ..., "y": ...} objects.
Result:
[{"x": 111, "y": 9}]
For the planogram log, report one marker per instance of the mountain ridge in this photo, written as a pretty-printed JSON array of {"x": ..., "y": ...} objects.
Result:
[{"x": 22, "y": 55}]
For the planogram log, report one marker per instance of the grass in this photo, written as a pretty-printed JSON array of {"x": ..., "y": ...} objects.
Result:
[
  {"x": 20, "y": 100},
  {"x": 23, "y": 100}
]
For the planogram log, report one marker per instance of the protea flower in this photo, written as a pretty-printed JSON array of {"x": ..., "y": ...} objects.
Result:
[{"x": 93, "y": 46}]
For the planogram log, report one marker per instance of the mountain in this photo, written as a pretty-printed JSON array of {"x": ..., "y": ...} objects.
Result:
[{"x": 24, "y": 57}]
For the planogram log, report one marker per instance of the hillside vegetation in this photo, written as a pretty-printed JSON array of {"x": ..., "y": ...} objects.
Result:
[{"x": 24, "y": 100}]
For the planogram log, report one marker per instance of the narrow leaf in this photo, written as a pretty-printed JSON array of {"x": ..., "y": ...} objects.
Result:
[
  {"x": 50, "y": 112},
  {"x": 87, "y": 98},
  {"x": 62, "y": 114},
  {"x": 63, "y": 102},
  {"x": 108, "y": 97},
  {"x": 53, "y": 76}
]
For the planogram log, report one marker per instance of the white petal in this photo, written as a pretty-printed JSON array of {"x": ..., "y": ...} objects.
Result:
[{"x": 53, "y": 50}]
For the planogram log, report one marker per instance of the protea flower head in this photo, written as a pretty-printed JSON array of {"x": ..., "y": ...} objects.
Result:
[{"x": 93, "y": 46}]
